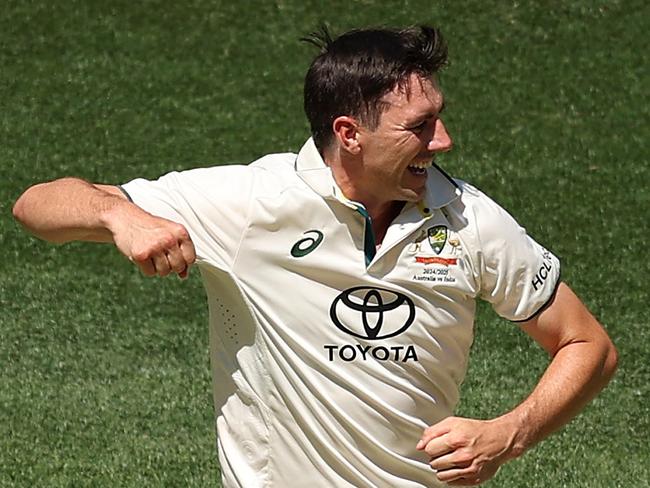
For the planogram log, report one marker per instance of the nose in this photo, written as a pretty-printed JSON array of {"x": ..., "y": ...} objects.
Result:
[{"x": 440, "y": 139}]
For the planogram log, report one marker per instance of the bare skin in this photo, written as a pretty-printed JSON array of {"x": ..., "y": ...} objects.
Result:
[
  {"x": 381, "y": 168},
  {"x": 70, "y": 209},
  {"x": 374, "y": 167},
  {"x": 469, "y": 452}
]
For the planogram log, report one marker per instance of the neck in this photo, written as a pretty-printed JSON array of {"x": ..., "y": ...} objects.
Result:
[
  {"x": 382, "y": 216},
  {"x": 382, "y": 212}
]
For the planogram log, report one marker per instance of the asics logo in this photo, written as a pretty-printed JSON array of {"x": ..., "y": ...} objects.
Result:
[{"x": 307, "y": 244}]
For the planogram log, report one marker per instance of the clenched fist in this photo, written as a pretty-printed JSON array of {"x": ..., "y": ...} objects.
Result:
[
  {"x": 157, "y": 246},
  {"x": 466, "y": 451}
]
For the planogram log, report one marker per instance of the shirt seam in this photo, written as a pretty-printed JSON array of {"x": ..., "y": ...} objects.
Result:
[
  {"x": 246, "y": 225},
  {"x": 470, "y": 256}
]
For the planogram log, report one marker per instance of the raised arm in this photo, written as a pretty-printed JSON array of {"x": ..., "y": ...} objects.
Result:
[
  {"x": 70, "y": 209},
  {"x": 468, "y": 452}
]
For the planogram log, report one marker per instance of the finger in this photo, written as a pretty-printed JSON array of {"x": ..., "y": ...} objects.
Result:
[
  {"x": 161, "y": 264},
  {"x": 175, "y": 259},
  {"x": 188, "y": 251},
  {"x": 450, "y": 461},
  {"x": 458, "y": 477},
  {"x": 452, "y": 475},
  {"x": 439, "y": 446},
  {"x": 465, "y": 482},
  {"x": 470, "y": 475},
  {"x": 146, "y": 267},
  {"x": 189, "y": 257},
  {"x": 436, "y": 430}
]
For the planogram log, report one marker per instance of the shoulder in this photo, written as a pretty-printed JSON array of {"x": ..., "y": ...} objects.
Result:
[
  {"x": 267, "y": 172},
  {"x": 275, "y": 171},
  {"x": 211, "y": 187},
  {"x": 478, "y": 203},
  {"x": 276, "y": 163},
  {"x": 493, "y": 238},
  {"x": 486, "y": 219},
  {"x": 515, "y": 273},
  {"x": 274, "y": 166}
]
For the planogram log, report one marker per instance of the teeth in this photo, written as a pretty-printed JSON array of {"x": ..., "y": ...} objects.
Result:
[{"x": 422, "y": 165}]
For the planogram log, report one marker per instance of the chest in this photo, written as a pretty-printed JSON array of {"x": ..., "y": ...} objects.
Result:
[{"x": 313, "y": 263}]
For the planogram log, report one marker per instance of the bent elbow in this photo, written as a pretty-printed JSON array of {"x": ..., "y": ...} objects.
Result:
[
  {"x": 24, "y": 206},
  {"x": 27, "y": 210},
  {"x": 610, "y": 364},
  {"x": 18, "y": 210}
]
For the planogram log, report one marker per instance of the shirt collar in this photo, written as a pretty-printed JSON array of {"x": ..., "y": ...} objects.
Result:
[{"x": 441, "y": 188}]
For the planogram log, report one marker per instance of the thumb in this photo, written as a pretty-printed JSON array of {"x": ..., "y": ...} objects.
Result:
[{"x": 433, "y": 431}]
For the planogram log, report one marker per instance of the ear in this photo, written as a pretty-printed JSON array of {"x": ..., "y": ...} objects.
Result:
[{"x": 346, "y": 131}]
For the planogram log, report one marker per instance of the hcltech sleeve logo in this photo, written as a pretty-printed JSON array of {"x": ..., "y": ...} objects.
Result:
[
  {"x": 544, "y": 270},
  {"x": 372, "y": 314},
  {"x": 308, "y": 244}
]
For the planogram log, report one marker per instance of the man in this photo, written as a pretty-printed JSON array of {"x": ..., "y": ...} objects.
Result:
[{"x": 342, "y": 283}]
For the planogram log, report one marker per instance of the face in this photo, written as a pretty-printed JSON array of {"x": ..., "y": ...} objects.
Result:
[{"x": 397, "y": 154}]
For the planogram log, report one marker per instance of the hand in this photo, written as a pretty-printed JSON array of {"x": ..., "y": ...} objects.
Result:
[
  {"x": 467, "y": 452},
  {"x": 157, "y": 246}
]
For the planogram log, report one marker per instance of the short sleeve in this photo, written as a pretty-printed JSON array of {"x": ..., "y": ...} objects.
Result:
[
  {"x": 518, "y": 276},
  {"x": 212, "y": 203}
]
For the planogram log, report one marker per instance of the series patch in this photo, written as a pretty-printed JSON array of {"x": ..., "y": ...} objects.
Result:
[
  {"x": 439, "y": 258},
  {"x": 437, "y": 238}
]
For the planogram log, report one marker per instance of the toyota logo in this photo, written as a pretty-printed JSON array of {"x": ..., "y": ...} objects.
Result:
[{"x": 372, "y": 313}]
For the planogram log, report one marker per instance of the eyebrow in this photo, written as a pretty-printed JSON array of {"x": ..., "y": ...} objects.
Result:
[
  {"x": 428, "y": 115},
  {"x": 442, "y": 108}
]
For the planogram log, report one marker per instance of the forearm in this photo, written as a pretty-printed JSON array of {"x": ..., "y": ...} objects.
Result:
[
  {"x": 467, "y": 451},
  {"x": 68, "y": 209},
  {"x": 576, "y": 374}
]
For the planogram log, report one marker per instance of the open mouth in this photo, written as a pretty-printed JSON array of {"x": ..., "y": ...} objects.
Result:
[{"x": 420, "y": 169}]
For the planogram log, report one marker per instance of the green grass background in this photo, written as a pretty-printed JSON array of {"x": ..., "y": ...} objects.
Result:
[{"x": 104, "y": 376}]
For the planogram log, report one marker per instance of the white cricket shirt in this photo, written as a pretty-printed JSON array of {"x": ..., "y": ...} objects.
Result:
[{"x": 327, "y": 361}]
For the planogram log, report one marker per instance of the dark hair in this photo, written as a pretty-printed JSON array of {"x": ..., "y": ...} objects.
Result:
[{"x": 354, "y": 71}]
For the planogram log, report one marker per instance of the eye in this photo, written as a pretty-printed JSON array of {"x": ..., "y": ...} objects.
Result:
[{"x": 419, "y": 128}]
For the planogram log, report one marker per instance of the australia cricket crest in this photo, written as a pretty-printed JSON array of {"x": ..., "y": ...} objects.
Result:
[{"x": 437, "y": 238}]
